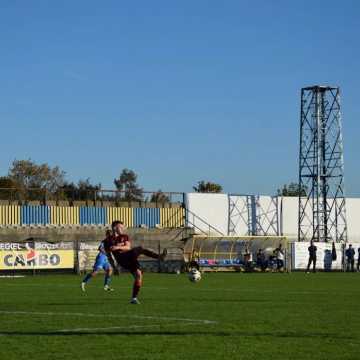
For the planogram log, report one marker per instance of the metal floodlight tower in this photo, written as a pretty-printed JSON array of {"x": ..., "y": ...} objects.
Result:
[{"x": 322, "y": 215}]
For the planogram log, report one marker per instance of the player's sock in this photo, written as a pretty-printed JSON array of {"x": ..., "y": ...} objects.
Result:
[
  {"x": 107, "y": 280},
  {"x": 87, "y": 278},
  {"x": 136, "y": 289}
]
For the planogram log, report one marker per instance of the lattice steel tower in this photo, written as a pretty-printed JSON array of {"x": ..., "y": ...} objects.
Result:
[{"x": 322, "y": 215}]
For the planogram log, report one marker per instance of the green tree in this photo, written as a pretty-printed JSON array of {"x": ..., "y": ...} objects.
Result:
[
  {"x": 292, "y": 189},
  {"x": 29, "y": 175},
  {"x": 8, "y": 188},
  {"x": 83, "y": 190},
  {"x": 159, "y": 197},
  {"x": 207, "y": 187},
  {"x": 127, "y": 184}
]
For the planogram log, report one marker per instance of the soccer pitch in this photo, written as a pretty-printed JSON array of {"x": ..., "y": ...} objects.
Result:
[{"x": 235, "y": 316}]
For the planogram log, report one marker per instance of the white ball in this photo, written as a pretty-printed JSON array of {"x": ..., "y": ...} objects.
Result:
[{"x": 194, "y": 275}]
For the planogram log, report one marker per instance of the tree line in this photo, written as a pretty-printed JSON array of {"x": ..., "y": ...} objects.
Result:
[{"x": 27, "y": 180}]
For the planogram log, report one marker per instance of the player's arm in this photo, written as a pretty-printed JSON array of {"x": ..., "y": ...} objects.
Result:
[
  {"x": 101, "y": 248},
  {"x": 107, "y": 252},
  {"x": 124, "y": 246},
  {"x": 111, "y": 260}
]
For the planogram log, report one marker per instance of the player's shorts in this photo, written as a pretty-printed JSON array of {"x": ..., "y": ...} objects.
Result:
[
  {"x": 128, "y": 260},
  {"x": 101, "y": 263}
]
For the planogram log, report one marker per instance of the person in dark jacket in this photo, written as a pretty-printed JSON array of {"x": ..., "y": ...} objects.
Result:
[
  {"x": 350, "y": 257},
  {"x": 333, "y": 252},
  {"x": 358, "y": 262},
  {"x": 312, "y": 257}
]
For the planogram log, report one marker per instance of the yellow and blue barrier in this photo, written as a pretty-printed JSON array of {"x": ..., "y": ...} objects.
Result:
[
  {"x": 126, "y": 215},
  {"x": 64, "y": 215},
  {"x": 35, "y": 215},
  {"x": 146, "y": 216},
  {"x": 172, "y": 217},
  {"x": 93, "y": 215},
  {"x": 74, "y": 215},
  {"x": 10, "y": 215}
]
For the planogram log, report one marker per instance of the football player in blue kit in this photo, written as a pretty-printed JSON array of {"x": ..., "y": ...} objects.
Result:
[{"x": 101, "y": 263}]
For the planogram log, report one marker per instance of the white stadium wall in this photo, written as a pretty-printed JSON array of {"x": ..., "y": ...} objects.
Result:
[
  {"x": 353, "y": 219},
  {"x": 289, "y": 217},
  {"x": 207, "y": 209},
  {"x": 267, "y": 215},
  {"x": 253, "y": 215},
  {"x": 261, "y": 215},
  {"x": 245, "y": 215},
  {"x": 241, "y": 211}
]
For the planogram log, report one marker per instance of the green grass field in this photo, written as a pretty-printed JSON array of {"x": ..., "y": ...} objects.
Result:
[{"x": 235, "y": 316}]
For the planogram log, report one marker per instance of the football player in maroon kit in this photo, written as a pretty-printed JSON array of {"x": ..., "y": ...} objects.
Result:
[{"x": 119, "y": 245}]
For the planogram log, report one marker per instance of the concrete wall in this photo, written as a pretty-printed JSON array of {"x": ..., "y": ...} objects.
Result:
[
  {"x": 151, "y": 238},
  {"x": 208, "y": 209},
  {"x": 353, "y": 219},
  {"x": 289, "y": 217}
]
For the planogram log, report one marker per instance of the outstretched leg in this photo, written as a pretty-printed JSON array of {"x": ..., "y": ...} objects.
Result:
[{"x": 141, "y": 251}]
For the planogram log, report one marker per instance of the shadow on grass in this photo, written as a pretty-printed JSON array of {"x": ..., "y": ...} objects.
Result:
[{"x": 295, "y": 335}]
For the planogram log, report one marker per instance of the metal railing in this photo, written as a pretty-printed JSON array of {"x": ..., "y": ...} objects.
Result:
[
  {"x": 192, "y": 219},
  {"x": 89, "y": 195}
]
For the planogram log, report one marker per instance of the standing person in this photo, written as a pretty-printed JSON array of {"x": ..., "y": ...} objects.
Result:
[
  {"x": 333, "y": 252},
  {"x": 312, "y": 256},
  {"x": 247, "y": 259},
  {"x": 279, "y": 257},
  {"x": 358, "y": 262},
  {"x": 350, "y": 257},
  {"x": 119, "y": 245},
  {"x": 101, "y": 263}
]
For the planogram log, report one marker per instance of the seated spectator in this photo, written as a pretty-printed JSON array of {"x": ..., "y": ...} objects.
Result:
[
  {"x": 273, "y": 261},
  {"x": 260, "y": 260}
]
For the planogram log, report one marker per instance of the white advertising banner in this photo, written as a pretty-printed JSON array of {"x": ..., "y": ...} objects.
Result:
[
  {"x": 324, "y": 261},
  {"x": 87, "y": 254}
]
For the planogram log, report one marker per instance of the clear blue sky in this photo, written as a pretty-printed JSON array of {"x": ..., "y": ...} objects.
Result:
[{"x": 179, "y": 91}]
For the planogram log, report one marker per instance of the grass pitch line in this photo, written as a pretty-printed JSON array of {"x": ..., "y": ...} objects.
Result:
[
  {"x": 108, "y": 328},
  {"x": 117, "y": 328},
  {"x": 143, "y": 317}
]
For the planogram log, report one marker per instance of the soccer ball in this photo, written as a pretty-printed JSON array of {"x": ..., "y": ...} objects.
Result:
[{"x": 194, "y": 275}]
